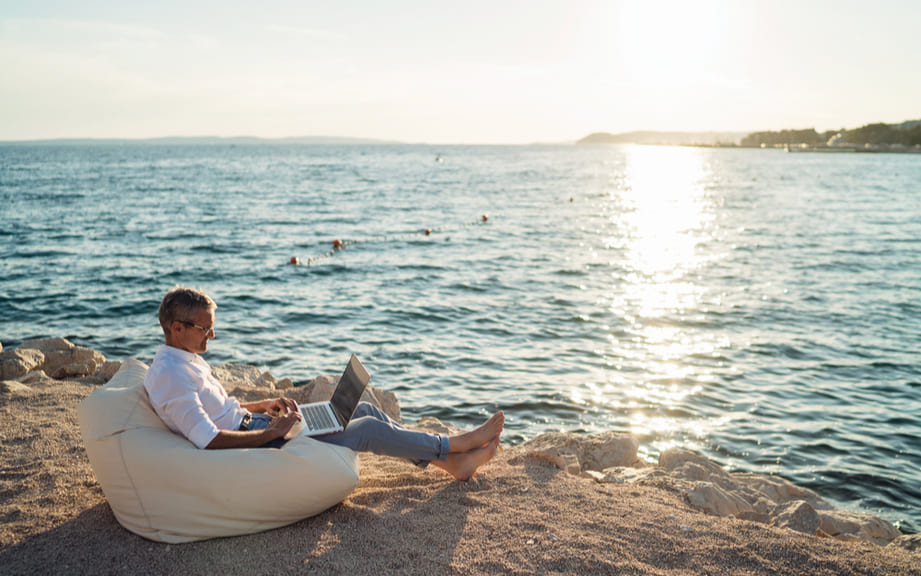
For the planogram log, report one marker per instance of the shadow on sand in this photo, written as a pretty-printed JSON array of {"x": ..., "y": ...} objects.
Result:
[{"x": 375, "y": 531}]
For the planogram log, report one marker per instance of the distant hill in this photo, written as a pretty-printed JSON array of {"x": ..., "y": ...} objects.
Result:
[
  {"x": 200, "y": 140},
  {"x": 906, "y": 133},
  {"x": 666, "y": 138}
]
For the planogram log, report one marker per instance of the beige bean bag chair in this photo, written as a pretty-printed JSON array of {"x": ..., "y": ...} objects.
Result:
[{"x": 160, "y": 486}]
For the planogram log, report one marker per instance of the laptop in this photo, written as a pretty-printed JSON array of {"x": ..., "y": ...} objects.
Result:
[{"x": 334, "y": 415}]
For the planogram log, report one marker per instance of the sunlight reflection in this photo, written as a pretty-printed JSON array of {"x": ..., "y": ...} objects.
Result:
[
  {"x": 662, "y": 217},
  {"x": 663, "y": 210}
]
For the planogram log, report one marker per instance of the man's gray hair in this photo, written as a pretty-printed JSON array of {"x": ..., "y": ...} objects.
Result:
[{"x": 181, "y": 304}]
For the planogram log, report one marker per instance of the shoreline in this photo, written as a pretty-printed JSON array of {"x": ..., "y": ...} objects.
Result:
[{"x": 558, "y": 503}]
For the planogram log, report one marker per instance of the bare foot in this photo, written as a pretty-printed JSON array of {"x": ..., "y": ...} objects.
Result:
[
  {"x": 463, "y": 465},
  {"x": 478, "y": 437}
]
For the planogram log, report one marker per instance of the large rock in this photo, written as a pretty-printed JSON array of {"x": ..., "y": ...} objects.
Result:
[
  {"x": 105, "y": 372},
  {"x": 19, "y": 362},
  {"x": 436, "y": 426},
  {"x": 797, "y": 515},
  {"x": 63, "y": 359},
  {"x": 910, "y": 542},
  {"x": 690, "y": 466},
  {"x": 577, "y": 453},
  {"x": 761, "y": 498},
  {"x": 13, "y": 388},
  {"x": 36, "y": 378},
  {"x": 869, "y": 528},
  {"x": 678, "y": 459},
  {"x": 780, "y": 490},
  {"x": 713, "y": 499},
  {"x": 232, "y": 375}
]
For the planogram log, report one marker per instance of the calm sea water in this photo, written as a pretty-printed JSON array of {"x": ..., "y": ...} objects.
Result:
[{"x": 756, "y": 306}]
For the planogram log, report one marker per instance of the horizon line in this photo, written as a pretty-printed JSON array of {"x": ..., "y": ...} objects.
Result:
[{"x": 335, "y": 139}]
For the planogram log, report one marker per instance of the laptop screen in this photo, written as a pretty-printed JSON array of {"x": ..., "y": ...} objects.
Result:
[{"x": 351, "y": 386}]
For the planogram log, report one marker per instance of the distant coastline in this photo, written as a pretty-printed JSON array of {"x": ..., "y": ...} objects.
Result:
[{"x": 904, "y": 137}]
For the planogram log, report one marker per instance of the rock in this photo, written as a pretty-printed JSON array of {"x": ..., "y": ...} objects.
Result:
[
  {"x": 797, "y": 515},
  {"x": 594, "y": 475},
  {"x": 35, "y": 377},
  {"x": 75, "y": 370},
  {"x": 14, "y": 388},
  {"x": 689, "y": 464},
  {"x": 321, "y": 388},
  {"x": 768, "y": 499},
  {"x": 266, "y": 380},
  {"x": 234, "y": 374},
  {"x": 63, "y": 359},
  {"x": 105, "y": 372},
  {"x": 847, "y": 538},
  {"x": 763, "y": 506},
  {"x": 562, "y": 458},
  {"x": 754, "y": 516},
  {"x": 591, "y": 451},
  {"x": 612, "y": 479},
  {"x": 876, "y": 530},
  {"x": 780, "y": 490},
  {"x": 386, "y": 400},
  {"x": 47, "y": 344},
  {"x": 284, "y": 384},
  {"x": 714, "y": 500},
  {"x": 436, "y": 426},
  {"x": 621, "y": 474},
  {"x": 910, "y": 542},
  {"x": 837, "y": 524},
  {"x": 19, "y": 362}
]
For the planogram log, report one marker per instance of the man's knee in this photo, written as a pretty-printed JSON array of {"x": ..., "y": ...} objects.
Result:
[
  {"x": 362, "y": 431},
  {"x": 364, "y": 409}
]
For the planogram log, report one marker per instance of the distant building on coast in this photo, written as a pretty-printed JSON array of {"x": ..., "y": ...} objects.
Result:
[{"x": 901, "y": 138}]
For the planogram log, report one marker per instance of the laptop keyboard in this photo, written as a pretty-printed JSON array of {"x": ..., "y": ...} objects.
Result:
[{"x": 316, "y": 417}]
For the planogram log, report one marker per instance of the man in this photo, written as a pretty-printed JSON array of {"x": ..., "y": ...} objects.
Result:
[{"x": 193, "y": 403}]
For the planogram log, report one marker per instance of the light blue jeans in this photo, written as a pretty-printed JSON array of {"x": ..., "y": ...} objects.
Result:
[{"x": 370, "y": 430}]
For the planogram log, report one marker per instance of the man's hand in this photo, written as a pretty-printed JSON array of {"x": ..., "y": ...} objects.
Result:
[
  {"x": 274, "y": 408},
  {"x": 280, "y": 425},
  {"x": 281, "y": 406},
  {"x": 277, "y": 428}
]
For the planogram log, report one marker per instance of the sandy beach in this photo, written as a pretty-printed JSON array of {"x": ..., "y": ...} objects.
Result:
[{"x": 523, "y": 513}]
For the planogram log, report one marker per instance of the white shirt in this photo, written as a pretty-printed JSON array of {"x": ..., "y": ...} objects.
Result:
[{"x": 188, "y": 399}]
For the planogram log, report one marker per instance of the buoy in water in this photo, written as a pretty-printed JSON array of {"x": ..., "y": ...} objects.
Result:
[
  {"x": 294, "y": 260},
  {"x": 337, "y": 244},
  {"x": 485, "y": 218},
  {"x": 428, "y": 231}
]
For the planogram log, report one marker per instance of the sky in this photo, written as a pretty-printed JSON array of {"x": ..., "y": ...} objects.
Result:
[{"x": 495, "y": 71}]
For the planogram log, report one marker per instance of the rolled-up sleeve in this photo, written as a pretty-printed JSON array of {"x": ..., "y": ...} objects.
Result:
[
  {"x": 190, "y": 418},
  {"x": 174, "y": 392}
]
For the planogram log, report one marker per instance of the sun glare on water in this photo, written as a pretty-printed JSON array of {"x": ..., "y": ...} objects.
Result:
[{"x": 661, "y": 215}]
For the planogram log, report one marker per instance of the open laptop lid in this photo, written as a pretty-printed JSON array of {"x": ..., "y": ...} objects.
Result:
[{"x": 352, "y": 384}]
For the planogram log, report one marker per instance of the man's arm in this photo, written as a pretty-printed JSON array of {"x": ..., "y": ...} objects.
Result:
[
  {"x": 276, "y": 407},
  {"x": 254, "y": 438}
]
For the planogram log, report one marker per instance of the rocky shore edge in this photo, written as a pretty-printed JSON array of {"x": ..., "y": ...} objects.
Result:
[{"x": 607, "y": 458}]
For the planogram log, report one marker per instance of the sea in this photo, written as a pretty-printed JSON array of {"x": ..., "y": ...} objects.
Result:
[{"x": 759, "y": 307}]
